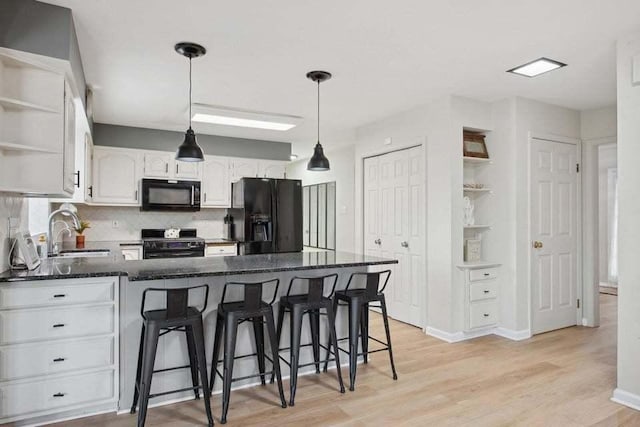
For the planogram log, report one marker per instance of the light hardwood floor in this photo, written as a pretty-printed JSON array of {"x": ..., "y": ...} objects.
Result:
[{"x": 562, "y": 378}]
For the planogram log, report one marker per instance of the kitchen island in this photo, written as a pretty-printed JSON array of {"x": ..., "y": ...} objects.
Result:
[{"x": 112, "y": 313}]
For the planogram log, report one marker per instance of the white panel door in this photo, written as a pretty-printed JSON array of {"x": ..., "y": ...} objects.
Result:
[
  {"x": 371, "y": 207},
  {"x": 216, "y": 182},
  {"x": 116, "y": 174},
  {"x": 394, "y": 226},
  {"x": 554, "y": 235},
  {"x": 186, "y": 170},
  {"x": 156, "y": 164}
]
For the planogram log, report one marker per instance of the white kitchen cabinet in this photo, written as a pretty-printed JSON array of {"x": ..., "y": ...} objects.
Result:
[
  {"x": 69, "y": 147},
  {"x": 163, "y": 165},
  {"x": 156, "y": 164},
  {"x": 187, "y": 170},
  {"x": 272, "y": 169},
  {"x": 88, "y": 170},
  {"x": 59, "y": 347},
  {"x": 216, "y": 183},
  {"x": 243, "y": 168},
  {"x": 116, "y": 176},
  {"x": 221, "y": 249},
  {"x": 481, "y": 290}
]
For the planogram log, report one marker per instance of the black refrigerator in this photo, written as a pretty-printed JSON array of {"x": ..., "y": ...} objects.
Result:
[{"x": 265, "y": 215}]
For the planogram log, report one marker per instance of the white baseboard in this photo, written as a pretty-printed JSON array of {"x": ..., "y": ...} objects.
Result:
[
  {"x": 453, "y": 337},
  {"x": 627, "y": 399},
  {"x": 513, "y": 334}
]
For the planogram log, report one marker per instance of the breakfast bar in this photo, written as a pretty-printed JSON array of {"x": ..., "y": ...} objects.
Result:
[{"x": 107, "y": 320}]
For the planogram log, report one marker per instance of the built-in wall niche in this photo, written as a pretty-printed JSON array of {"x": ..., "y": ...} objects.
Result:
[
  {"x": 477, "y": 192},
  {"x": 319, "y": 215}
]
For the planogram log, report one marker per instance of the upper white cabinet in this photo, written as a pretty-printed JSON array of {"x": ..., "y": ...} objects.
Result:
[
  {"x": 37, "y": 120},
  {"x": 162, "y": 165},
  {"x": 243, "y": 168},
  {"x": 271, "y": 169},
  {"x": 116, "y": 176},
  {"x": 216, "y": 183}
]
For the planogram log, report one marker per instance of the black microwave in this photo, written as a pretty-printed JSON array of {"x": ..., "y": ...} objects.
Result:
[{"x": 170, "y": 195}]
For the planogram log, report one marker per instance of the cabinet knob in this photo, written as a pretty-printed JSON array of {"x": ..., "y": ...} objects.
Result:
[
  {"x": 486, "y": 291},
  {"x": 486, "y": 315}
]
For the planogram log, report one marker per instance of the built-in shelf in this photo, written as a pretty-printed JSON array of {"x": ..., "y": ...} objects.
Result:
[
  {"x": 478, "y": 264},
  {"x": 477, "y": 190},
  {"x": 17, "y": 105},
  {"x": 476, "y": 160},
  {"x": 11, "y": 146},
  {"x": 477, "y": 227}
]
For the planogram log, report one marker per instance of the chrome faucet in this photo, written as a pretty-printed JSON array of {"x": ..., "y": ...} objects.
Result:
[{"x": 65, "y": 209}]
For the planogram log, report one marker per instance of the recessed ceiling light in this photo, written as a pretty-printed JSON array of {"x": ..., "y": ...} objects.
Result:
[
  {"x": 293, "y": 157},
  {"x": 237, "y": 121},
  {"x": 537, "y": 67}
]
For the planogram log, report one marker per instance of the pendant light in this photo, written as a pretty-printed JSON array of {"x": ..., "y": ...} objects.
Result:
[
  {"x": 189, "y": 150},
  {"x": 318, "y": 161}
]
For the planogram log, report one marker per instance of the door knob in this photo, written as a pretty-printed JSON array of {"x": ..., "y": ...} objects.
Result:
[
  {"x": 537, "y": 244},
  {"x": 377, "y": 242},
  {"x": 404, "y": 244}
]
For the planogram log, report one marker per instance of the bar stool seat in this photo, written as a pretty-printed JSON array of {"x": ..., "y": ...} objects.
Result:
[
  {"x": 358, "y": 301},
  {"x": 230, "y": 315},
  {"x": 310, "y": 303},
  {"x": 177, "y": 316}
]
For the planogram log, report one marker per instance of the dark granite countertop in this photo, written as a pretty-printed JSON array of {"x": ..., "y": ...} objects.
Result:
[{"x": 173, "y": 268}]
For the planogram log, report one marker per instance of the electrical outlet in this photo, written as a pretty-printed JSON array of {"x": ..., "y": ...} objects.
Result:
[{"x": 115, "y": 223}]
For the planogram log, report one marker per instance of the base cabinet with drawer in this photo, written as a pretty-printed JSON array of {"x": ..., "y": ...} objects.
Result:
[
  {"x": 58, "y": 348},
  {"x": 481, "y": 295},
  {"x": 220, "y": 249}
]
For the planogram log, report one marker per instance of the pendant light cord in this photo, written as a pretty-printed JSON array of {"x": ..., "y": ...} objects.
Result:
[
  {"x": 190, "y": 84},
  {"x": 318, "y": 111}
]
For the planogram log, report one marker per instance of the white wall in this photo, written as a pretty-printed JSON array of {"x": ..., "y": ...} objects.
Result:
[
  {"x": 628, "y": 391},
  {"x": 598, "y": 123},
  {"x": 10, "y": 207},
  {"x": 342, "y": 172}
]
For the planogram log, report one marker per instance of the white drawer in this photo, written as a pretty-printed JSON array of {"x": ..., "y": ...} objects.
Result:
[
  {"x": 50, "y": 323},
  {"x": 483, "y": 274},
  {"x": 220, "y": 250},
  {"x": 483, "y": 314},
  {"x": 48, "y": 293},
  {"x": 32, "y": 397},
  {"x": 483, "y": 290},
  {"x": 32, "y": 360}
]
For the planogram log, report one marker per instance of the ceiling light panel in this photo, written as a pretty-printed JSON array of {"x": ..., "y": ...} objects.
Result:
[
  {"x": 245, "y": 123},
  {"x": 537, "y": 67},
  {"x": 219, "y": 115}
]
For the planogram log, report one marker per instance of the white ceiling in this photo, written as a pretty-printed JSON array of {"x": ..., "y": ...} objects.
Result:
[{"x": 386, "y": 56}]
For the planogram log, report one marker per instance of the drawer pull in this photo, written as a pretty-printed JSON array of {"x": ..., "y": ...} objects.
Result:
[
  {"x": 59, "y": 395},
  {"x": 486, "y": 274},
  {"x": 486, "y": 315},
  {"x": 59, "y": 359},
  {"x": 486, "y": 291},
  {"x": 59, "y": 325},
  {"x": 59, "y": 295}
]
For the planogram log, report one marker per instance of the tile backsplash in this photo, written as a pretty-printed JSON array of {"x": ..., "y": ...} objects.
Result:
[{"x": 130, "y": 220}]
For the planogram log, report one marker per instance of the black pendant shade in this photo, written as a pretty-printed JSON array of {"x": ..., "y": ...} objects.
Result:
[
  {"x": 318, "y": 162},
  {"x": 189, "y": 150}
]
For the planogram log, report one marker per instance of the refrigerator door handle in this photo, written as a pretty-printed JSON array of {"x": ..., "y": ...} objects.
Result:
[{"x": 274, "y": 216}]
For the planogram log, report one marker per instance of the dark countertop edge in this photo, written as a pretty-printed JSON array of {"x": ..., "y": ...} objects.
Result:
[
  {"x": 151, "y": 276},
  {"x": 159, "y": 276}
]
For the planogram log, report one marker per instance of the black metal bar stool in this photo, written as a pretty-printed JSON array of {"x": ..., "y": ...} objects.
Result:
[
  {"x": 310, "y": 303},
  {"x": 230, "y": 316},
  {"x": 176, "y": 316},
  {"x": 358, "y": 301}
]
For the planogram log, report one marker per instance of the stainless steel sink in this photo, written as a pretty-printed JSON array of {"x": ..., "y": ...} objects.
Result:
[{"x": 89, "y": 253}]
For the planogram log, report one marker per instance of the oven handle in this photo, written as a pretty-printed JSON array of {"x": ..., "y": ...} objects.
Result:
[{"x": 174, "y": 254}]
